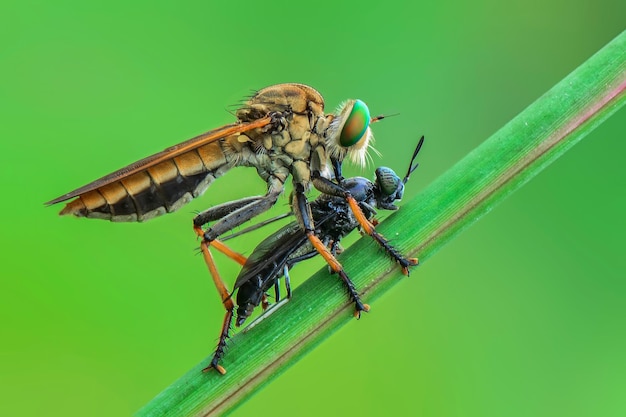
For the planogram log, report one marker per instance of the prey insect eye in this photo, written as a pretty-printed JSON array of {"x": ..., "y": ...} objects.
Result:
[
  {"x": 388, "y": 181},
  {"x": 356, "y": 124}
]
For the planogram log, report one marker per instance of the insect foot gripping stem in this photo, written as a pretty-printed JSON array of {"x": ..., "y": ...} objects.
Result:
[
  {"x": 221, "y": 345},
  {"x": 404, "y": 263},
  {"x": 354, "y": 296},
  {"x": 228, "y": 306},
  {"x": 338, "y": 268},
  {"x": 368, "y": 228}
]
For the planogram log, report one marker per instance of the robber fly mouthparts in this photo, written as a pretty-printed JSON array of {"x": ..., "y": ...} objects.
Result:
[{"x": 334, "y": 219}]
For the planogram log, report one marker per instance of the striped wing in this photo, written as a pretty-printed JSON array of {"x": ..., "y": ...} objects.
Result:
[
  {"x": 164, "y": 155},
  {"x": 157, "y": 184}
]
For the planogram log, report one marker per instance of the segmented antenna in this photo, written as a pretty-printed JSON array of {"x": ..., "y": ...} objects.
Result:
[
  {"x": 381, "y": 117},
  {"x": 412, "y": 166}
]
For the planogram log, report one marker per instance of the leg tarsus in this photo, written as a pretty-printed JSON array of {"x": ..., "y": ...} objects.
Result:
[
  {"x": 409, "y": 262},
  {"x": 214, "y": 365},
  {"x": 404, "y": 263},
  {"x": 221, "y": 344},
  {"x": 228, "y": 305},
  {"x": 358, "y": 309}
]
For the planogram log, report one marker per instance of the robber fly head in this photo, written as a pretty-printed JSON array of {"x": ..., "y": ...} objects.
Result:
[
  {"x": 349, "y": 132},
  {"x": 389, "y": 187}
]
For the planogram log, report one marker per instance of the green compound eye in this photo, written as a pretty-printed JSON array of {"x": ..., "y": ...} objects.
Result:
[{"x": 356, "y": 124}]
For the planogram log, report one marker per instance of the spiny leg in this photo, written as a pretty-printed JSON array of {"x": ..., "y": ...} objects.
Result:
[
  {"x": 231, "y": 215},
  {"x": 245, "y": 212},
  {"x": 216, "y": 213},
  {"x": 222, "y": 210},
  {"x": 213, "y": 214},
  {"x": 338, "y": 269},
  {"x": 228, "y": 305},
  {"x": 303, "y": 213},
  {"x": 369, "y": 229}
]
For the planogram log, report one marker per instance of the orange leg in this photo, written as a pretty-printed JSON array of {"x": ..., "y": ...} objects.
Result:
[
  {"x": 221, "y": 346},
  {"x": 224, "y": 295},
  {"x": 228, "y": 305},
  {"x": 336, "y": 267},
  {"x": 217, "y": 244},
  {"x": 368, "y": 228},
  {"x": 302, "y": 211}
]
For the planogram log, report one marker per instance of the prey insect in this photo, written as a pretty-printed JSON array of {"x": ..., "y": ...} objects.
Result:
[
  {"x": 334, "y": 219},
  {"x": 280, "y": 131}
]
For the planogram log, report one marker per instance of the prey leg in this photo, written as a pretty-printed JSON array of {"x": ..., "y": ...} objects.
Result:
[{"x": 287, "y": 280}]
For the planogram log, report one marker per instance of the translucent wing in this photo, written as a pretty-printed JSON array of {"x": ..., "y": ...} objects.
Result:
[{"x": 269, "y": 257}]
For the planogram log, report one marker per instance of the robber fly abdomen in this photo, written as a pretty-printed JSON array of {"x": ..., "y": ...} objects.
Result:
[{"x": 156, "y": 190}]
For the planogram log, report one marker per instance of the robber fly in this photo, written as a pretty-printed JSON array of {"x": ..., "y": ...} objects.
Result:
[
  {"x": 281, "y": 131},
  {"x": 334, "y": 219}
]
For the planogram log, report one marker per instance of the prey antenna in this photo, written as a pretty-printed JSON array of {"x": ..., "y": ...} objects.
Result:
[{"x": 413, "y": 166}]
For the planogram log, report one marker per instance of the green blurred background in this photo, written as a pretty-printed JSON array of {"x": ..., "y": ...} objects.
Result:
[{"x": 521, "y": 315}]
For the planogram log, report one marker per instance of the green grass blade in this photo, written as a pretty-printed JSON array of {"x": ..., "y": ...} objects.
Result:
[{"x": 513, "y": 155}]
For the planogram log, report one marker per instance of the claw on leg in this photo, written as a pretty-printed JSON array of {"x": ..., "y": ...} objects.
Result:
[
  {"x": 228, "y": 305},
  {"x": 358, "y": 309},
  {"x": 219, "y": 368},
  {"x": 409, "y": 262}
]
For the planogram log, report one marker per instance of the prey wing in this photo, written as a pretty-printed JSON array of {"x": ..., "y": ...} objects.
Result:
[{"x": 270, "y": 256}]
